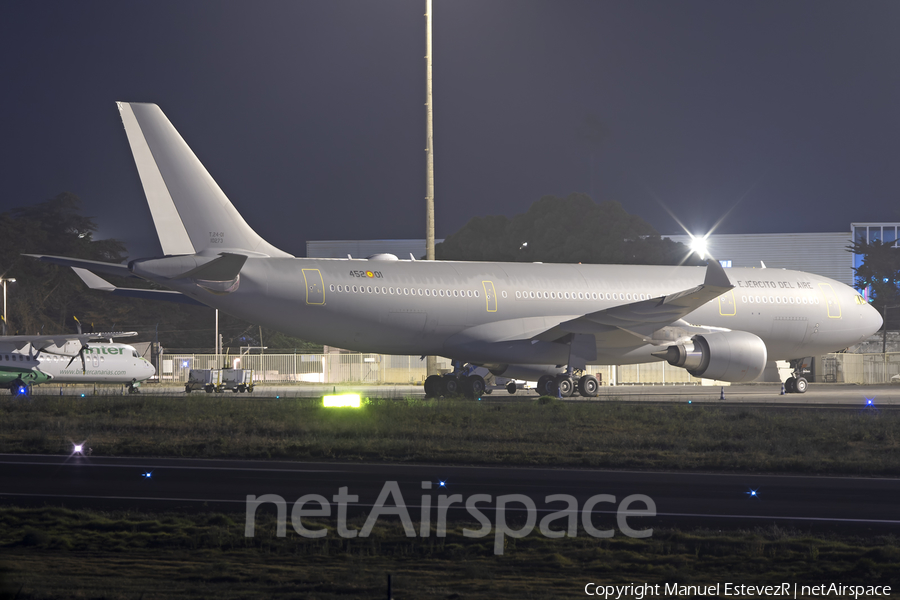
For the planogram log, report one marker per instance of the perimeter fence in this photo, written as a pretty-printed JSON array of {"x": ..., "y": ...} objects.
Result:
[{"x": 334, "y": 368}]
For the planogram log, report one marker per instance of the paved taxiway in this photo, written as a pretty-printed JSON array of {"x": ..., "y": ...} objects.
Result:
[
  {"x": 708, "y": 500},
  {"x": 766, "y": 393}
]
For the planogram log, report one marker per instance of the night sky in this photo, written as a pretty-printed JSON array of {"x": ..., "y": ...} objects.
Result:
[{"x": 310, "y": 114}]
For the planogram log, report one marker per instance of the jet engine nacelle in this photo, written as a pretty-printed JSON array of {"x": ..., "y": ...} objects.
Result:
[{"x": 734, "y": 356}]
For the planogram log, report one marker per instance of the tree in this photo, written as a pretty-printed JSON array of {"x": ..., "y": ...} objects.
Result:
[
  {"x": 880, "y": 272},
  {"x": 574, "y": 229},
  {"x": 45, "y": 297}
]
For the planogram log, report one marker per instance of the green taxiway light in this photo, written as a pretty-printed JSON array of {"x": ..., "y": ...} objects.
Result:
[{"x": 351, "y": 400}]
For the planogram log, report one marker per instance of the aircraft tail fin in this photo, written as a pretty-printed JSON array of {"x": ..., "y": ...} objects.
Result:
[{"x": 191, "y": 213}]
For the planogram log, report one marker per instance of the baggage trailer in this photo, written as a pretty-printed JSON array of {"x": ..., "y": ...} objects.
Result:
[
  {"x": 209, "y": 380},
  {"x": 237, "y": 380}
]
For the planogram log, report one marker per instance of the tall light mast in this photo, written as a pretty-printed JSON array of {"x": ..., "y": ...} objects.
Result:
[
  {"x": 430, "y": 361},
  {"x": 429, "y": 140}
]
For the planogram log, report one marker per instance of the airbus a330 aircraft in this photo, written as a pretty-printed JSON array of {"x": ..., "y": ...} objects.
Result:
[
  {"x": 518, "y": 319},
  {"x": 70, "y": 358}
]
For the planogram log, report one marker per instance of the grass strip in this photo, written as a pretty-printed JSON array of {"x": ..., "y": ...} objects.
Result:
[
  {"x": 596, "y": 434},
  {"x": 58, "y": 553}
]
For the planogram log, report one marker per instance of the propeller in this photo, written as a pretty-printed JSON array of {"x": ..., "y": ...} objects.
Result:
[
  {"x": 81, "y": 350},
  {"x": 3, "y": 317}
]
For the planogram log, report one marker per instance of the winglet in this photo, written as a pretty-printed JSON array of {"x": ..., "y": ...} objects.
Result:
[{"x": 715, "y": 275}]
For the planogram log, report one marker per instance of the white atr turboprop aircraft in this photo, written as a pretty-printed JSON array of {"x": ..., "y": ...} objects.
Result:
[
  {"x": 519, "y": 320},
  {"x": 70, "y": 358}
]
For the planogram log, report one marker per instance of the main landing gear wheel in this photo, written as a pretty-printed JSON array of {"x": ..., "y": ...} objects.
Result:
[
  {"x": 511, "y": 387},
  {"x": 565, "y": 385},
  {"x": 544, "y": 386},
  {"x": 474, "y": 386},
  {"x": 432, "y": 386},
  {"x": 588, "y": 386},
  {"x": 450, "y": 385},
  {"x": 789, "y": 385}
]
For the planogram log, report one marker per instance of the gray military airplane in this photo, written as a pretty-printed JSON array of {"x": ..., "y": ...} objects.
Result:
[{"x": 518, "y": 319}]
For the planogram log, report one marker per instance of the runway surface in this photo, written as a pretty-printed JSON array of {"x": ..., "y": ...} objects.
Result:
[{"x": 716, "y": 501}]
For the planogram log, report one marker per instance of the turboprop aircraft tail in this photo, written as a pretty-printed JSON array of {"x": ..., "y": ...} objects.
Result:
[{"x": 191, "y": 213}]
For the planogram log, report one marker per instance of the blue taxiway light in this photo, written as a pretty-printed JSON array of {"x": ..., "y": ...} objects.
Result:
[
  {"x": 442, "y": 483},
  {"x": 147, "y": 474},
  {"x": 753, "y": 493}
]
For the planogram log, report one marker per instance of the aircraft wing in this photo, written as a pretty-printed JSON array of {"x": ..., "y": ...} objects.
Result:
[
  {"x": 45, "y": 341},
  {"x": 642, "y": 319},
  {"x": 95, "y": 282}
]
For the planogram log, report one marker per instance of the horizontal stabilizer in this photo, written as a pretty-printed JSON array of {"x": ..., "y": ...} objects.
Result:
[
  {"x": 96, "y": 266},
  {"x": 98, "y": 283}
]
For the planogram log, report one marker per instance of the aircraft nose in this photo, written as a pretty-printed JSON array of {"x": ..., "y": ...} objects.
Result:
[{"x": 872, "y": 320}]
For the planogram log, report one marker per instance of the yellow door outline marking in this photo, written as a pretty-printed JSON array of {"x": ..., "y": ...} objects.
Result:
[
  {"x": 831, "y": 301},
  {"x": 733, "y": 304},
  {"x": 490, "y": 296},
  {"x": 313, "y": 280}
]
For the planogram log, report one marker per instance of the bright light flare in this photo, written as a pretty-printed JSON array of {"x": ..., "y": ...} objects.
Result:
[
  {"x": 698, "y": 245},
  {"x": 341, "y": 400},
  {"x": 442, "y": 483},
  {"x": 753, "y": 493},
  {"x": 78, "y": 448},
  {"x": 147, "y": 474}
]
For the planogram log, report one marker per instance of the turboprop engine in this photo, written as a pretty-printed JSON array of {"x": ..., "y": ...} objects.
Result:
[{"x": 734, "y": 356}]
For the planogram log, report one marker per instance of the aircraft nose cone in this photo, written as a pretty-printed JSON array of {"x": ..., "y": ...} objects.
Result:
[{"x": 872, "y": 320}]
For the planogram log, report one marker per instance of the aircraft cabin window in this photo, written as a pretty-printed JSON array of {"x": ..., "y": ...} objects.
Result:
[
  {"x": 531, "y": 295},
  {"x": 476, "y": 293},
  {"x": 434, "y": 292},
  {"x": 332, "y": 287},
  {"x": 376, "y": 290},
  {"x": 503, "y": 294},
  {"x": 518, "y": 294},
  {"x": 469, "y": 293}
]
